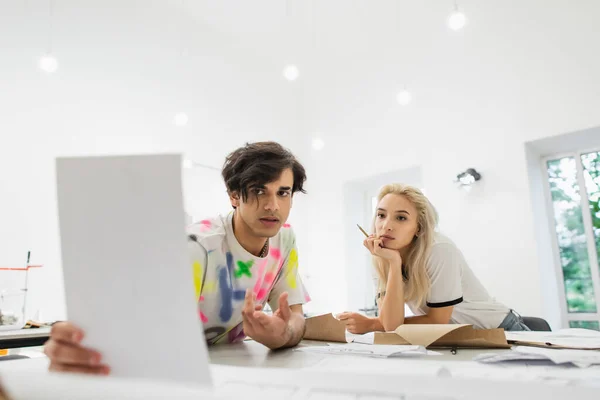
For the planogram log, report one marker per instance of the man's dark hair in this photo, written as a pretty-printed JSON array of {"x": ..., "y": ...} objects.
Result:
[{"x": 257, "y": 164}]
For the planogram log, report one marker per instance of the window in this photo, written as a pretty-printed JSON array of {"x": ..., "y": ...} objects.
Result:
[{"x": 574, "y": 185}]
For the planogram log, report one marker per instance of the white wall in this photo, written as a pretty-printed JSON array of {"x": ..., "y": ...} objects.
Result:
[
  {"x": 478, "y": 97},
  {"x": 119, "y": 83}
]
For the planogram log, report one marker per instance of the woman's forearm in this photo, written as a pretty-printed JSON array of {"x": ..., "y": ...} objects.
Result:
[
  {"x": 391, "y": 312},
  {"x": 420, "y": 319},
  {"x": 376, "y": 325}
]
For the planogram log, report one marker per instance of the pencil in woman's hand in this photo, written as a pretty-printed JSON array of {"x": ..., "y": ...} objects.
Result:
[{"x": 362, "y": 230}]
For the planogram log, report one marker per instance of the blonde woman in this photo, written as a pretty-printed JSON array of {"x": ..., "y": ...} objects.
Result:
[{"x": 419, "y": 267}]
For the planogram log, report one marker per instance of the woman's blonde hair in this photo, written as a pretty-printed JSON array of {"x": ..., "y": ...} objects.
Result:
[{"x": 414, "y": 265}]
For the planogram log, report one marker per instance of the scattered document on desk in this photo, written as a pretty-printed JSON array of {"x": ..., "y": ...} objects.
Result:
[
  {"x": 367, "y": 338},
  {"x": 579, "y": 358},
  {"x": 574, "y": 338},
  {"x": 398, "y": 379},
  {"x": 361, "y": 349}
]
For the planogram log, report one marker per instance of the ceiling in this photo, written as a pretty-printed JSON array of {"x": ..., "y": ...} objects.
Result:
[{"x": 310, "y": 30}]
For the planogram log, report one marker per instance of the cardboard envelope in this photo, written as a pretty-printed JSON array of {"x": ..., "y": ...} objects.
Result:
[
  {"x": 326, "y": 328},
  {"x": 439, "y": 335}
]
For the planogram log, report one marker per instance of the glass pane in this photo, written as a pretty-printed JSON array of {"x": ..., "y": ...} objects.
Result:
[
  {"x": 572, "y": 242},
  {"x": 591, "y": 174},
  {"x": 585, "y": 324}
]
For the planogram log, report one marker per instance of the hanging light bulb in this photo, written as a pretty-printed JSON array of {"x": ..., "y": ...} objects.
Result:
[
  {"x": 48, "y": 63},
  {"x": 404, "y": 97},
  {"x": 291, "y": 73},
  {"x": 457, "y": 20},
  {"x": 318, "y": 144},
  {"x": 187, "y": 163},
  {"x": 180, "y": 119}
]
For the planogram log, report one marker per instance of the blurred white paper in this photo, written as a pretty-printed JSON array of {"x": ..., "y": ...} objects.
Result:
[
  {"x": 386, "y": 379},
  {"x": 580, "y": 358},
  {"x": 575, "y": 338},
  {"x": 367, "y": 338},
  {"x": 126, "y": 265},
  {"x": 379, "y": 351},
  {"x": 27, "y": 385}
]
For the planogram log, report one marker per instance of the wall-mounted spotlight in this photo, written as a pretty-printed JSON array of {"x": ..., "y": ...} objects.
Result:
[{"x": 468, "y": 177}]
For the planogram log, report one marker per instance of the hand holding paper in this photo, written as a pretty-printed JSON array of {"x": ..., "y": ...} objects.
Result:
[{"x": 66, "y": 353}]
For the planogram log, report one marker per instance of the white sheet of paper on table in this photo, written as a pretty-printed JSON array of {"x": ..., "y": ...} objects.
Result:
[
  {"x": 367, "y": 338},
  {"x": 367, "y": 350},
  {"x": 563, "y": 374},
  {"x": 388, "y": 378},
  {"x": 580, "y": 358},
  {"x": 573, "y": 337}
]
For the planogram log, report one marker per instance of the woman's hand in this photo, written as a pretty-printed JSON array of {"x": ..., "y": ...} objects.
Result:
[
  {"x": 357, "y": 323},
  {"x": 375, "y": 247}
]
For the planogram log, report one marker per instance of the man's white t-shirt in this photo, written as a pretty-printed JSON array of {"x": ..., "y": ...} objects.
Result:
[{"x": 223, "y": 270}]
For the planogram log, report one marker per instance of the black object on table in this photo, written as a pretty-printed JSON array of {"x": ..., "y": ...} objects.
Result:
[{"x": 24, "y": 337}]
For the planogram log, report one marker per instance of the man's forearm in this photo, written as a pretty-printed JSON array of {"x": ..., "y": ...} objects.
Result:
[{"x": 296, "y": 325}]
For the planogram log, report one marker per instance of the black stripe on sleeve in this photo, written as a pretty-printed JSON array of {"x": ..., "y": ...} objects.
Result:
[{"x": 445, "y": 304}]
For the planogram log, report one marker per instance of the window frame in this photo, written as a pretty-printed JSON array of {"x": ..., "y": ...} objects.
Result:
[{"x": 566, "y": 316}]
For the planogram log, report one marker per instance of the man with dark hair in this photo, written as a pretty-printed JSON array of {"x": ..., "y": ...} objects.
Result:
[
  {"x": 254, "y": 257},
  {"x": 240, "y": 262}
]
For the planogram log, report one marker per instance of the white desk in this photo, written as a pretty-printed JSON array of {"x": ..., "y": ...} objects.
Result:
[{"x": 252, "y": 354}]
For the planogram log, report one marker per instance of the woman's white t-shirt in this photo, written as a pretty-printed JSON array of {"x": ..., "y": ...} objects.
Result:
[{"x": 453, "y": 283}]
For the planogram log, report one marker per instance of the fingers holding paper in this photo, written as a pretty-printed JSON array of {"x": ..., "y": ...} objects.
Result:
[{"x": 66, "y": 353}]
